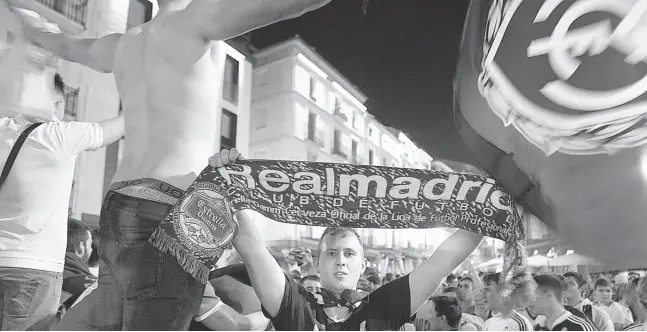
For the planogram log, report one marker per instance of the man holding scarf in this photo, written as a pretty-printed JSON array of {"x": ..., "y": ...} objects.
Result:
[{"x": 340, "y": 262}]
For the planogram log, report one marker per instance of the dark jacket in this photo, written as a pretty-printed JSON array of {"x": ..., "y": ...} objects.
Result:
[{"x": 76, "y": 275}]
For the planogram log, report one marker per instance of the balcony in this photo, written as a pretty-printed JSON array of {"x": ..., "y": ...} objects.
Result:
[
  {"x": 315, "y": 135},
  {"x": 339, "y": 115},
  {"x": 340, "y": 151},
  {"x": 73, "y": 10}
]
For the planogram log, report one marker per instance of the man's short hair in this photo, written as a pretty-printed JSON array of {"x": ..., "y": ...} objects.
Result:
[
  {"x": 451, "y": 277},
  {"x": 466, "y": 278},
  {"x": 77, "y": 232},
  {"x": 311, "y": 277},
  {"x": 602, "y": 282},
  {"x": 449, "y": 290},
  {"x": 375, "y": 279},
  {"x": 577, "y": 276},
  {"x": 491, "y": 277},
  {"x": 448, "y": 306},
  {"x": 338, "y": 232},
  {"x": 59, "y": 84},
  {"x": 549, "y": 282}
]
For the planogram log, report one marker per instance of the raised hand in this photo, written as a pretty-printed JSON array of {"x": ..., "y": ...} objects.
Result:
[{"x": 225, "y": 157}]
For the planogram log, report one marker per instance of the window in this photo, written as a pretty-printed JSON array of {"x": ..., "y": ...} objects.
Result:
[
  {"x": 228, "y": 130},
  {"x": 314, "y": 133},
  {"x": 74, "y": 10},
  {"x": 230, "y": 84},
  {"x": 353, "y": 150},
  {"x": 370, "y": 157},
  {"x": 139, "y": 12},
  {"x": 337, "y": 106},
  {"x": 313, "y": 89},
  {"x": 71, "y": 102},
  {"x": 338, "y": 144}
]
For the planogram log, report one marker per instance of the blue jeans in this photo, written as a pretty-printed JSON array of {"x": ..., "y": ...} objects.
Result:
[
  {"x": 28, "y": 298},
  {"x": 140, "y": 288}
]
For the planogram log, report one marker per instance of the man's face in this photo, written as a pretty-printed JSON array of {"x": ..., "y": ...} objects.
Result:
[
  {"x": 491, "y": 297},
  {"x": 542, "y": 301},
  {"x": 436, "y": 323},
  {"x": 453, "y": 283},
  {"x": 465, "y": 290},
  {"x": 312, "y": 286},
  {"x": 88, "y": 248},
  {"x": 603, "y": 294},
  {"x": 572, "y": 288},
  {"x": 341, "y": 262}
]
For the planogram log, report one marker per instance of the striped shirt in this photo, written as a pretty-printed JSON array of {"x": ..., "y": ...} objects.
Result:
[
  {"x": 569, "y": 322},
  {"x": 635, "y": 327},
  {"x": 512, "y": 322}
]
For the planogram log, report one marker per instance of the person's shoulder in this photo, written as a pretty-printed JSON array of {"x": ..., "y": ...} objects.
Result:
[
  {"x": 524, "y": 322},
  {"x": 579, "y": 323},
  {"x": 635, "y": 327}
]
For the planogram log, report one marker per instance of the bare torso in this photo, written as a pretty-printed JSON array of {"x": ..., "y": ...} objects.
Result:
[{"x": 167, "y": 83}]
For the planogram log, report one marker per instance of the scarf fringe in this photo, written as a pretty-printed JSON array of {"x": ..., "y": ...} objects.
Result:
[{"x": 165, "y": 243}]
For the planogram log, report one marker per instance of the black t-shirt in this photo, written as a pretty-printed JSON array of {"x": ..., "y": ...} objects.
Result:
[{"x": 385, "y": 309}]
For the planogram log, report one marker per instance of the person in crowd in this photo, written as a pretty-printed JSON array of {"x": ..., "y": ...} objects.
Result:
[
  {"x": 465, "y": 295},
  {"x": 633, "y": 276},
  {"x": 340, "y": 261},
  {"x": 450, "y": 291},
  {"x": 469, "y": 322},
  {"x": 388, "y": 278},
  {"x": 575, "y": 285},
  {"x": 629, "y": 299},
  {"x": 362, "y": 284},
  {"x": 440, "y": 313},
  {"x": 163, "y": 157},
  {"x": 312, "y": 284},
  {"x": 640, "y": 301},
  {"x": 549, "y": 303},
  {"x": 296, "y": 276},
  {"x": 76, "y": 274},
  {"x": 34, "y": 205},
  {"x": 451, "y": 280},
  {"x": 502, "y": 316},
  {"x": 604, "y": 300},
  {"x": 374, "y": 282},
  {"x": 94, "y": 260}
]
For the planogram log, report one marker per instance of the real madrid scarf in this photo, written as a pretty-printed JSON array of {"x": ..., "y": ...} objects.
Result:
[{"x": 200, "y": 225}]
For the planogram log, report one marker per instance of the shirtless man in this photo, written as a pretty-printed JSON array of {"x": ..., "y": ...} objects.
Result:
[{"x": 165, "y": 78}]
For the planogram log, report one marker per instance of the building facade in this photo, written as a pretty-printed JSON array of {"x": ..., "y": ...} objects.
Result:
[
  {"x": 92, "y": 96},
  {"x": 304, "y": 109}
]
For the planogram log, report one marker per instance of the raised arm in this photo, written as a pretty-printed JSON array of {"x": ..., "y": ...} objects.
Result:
[
  {"x": 225, "y": 19},
  {"x": 113, "y": 129},
  {"x": 265, "y": 273},
  {"x": 267, "y": 277},
  {"x": 426, "y": 278},
  {"x": 97, "y": 54}
]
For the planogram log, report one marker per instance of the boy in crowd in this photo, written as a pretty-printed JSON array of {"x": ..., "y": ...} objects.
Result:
[
  {"x": 604, "y": 300},
  {"x": 576, "y": 284},
  {"x": 549, "y": 303},
  {"x": 465, "y": 295},
  {"x": 440, "y": 313},
  {"x": 503, "y": 317}
]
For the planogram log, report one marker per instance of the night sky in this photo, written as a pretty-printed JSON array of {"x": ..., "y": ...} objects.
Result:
[{"x": 402, "y": 55}]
